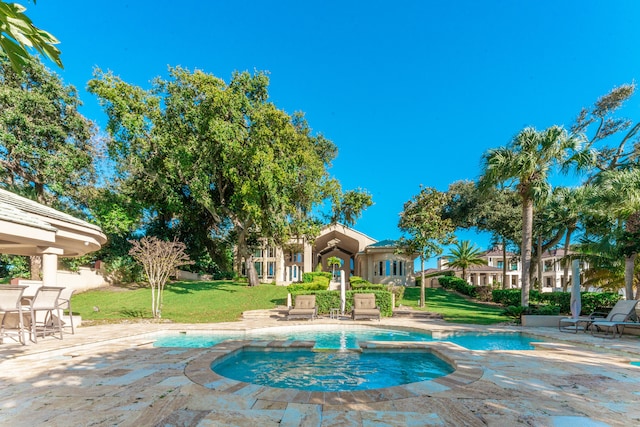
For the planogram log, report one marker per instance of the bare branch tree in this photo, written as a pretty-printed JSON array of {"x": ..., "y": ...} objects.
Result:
[{"x": 159, "y": 258}]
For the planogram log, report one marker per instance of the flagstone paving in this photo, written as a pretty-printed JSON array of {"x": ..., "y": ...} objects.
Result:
[{"x": 111, "y": 375}]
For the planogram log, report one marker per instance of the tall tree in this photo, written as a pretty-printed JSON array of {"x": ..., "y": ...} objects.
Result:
[
  {"x": 46, "y": 149},
  {"x": 18, "y": 34},
  {"x": 464, "y": 255},
  {"x": 495, "y": 210},
  {"x": 422, "y": 219},
  {"x": 526, "y": 163},
  {"x": 616, "y": 141},
  {"x": 223, "y": 146},
  {"x": 45, "y": 143}
]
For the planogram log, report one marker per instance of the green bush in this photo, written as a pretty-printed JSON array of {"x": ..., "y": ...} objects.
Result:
[
  {"x": 591, "y": 301},
  {"x": 318, "y": 285},
  {"x": 367, "y": 285},
  {"x": 313, "y": 276},
  {"x": 459, "y": 285},
  {"x": 398, "y": 291}
]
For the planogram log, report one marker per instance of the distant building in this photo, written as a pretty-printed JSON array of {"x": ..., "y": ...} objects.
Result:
[
  {"x": 361, "y": 255},
  {"x": 552, "y": 269}
]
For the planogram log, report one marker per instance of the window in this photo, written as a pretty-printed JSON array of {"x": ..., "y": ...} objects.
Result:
[
  {"x": 387, "y": 268},
  {"x": 395, "y": 268},
  {"x": 271, "y": 269},
  {"x": 258, "y": 267},
  {"x": 271, "y": 252},
  {"x": 514, "y": 266},
  {"x": 401, "y": 266},
  {"x": 380, "y": 269},
  {"x": 257, "y": 253},
  {"x": 298, "y": 257},
  {"x": 500, "y": 264}
]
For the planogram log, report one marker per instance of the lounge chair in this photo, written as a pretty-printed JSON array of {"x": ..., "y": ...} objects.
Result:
[
  {"x": 615, "y": 324},
  {"x": 10, "y": 303},
  {"x": 622, "y": 311},
  {"x": 303, "y": 308},
  {"x": 364, "y": 307}
]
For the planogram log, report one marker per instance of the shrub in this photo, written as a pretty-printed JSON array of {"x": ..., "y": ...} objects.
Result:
[
  {"x": 311, "y": 277},
  {"x": 591, "y": 301},
  {"x": 398, "y": 291},
  {"x": 484, "y": 293},
  {"x": 459, "y": 285},
  {"x": 514, "y": 311},
  {"x": 301, "y": 288}
]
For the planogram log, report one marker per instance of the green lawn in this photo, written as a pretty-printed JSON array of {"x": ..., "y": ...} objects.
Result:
[
  {"x": 184, "y": 302},
  {"x": 224, "y": 301},
  {"x": 453, "y": 307}
]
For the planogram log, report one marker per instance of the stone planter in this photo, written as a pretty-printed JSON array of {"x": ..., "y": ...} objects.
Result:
[{"x": 537, "y": 321}]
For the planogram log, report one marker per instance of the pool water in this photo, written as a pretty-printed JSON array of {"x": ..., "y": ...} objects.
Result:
[
  {"x": 331, "y": 370},
  {"x": 348, "y": 339}
]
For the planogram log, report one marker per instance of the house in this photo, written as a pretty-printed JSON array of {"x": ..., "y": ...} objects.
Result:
[
  {"x": 552, "y": 269},
  {"x": 361, "y": 255}
]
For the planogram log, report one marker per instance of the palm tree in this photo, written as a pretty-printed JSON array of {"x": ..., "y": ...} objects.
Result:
[
  {"x": 618, "y": 194},
  {"x": 564, "y": 211},
  {"x": 334, "y": 262},
  {"x": 465, "y": 255},
  {"x": 527, "y": 161}
]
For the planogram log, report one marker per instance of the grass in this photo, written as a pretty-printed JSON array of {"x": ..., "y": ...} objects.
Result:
[
  {"x": 453, "y": 307},
  {"x": 224, "y": 301},
  {"x": 184, "y": 302}
]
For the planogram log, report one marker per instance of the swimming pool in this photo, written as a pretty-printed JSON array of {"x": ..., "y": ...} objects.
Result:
[
  {"x": 348, "y": 338},
  {"x": 305, "y": 369}
]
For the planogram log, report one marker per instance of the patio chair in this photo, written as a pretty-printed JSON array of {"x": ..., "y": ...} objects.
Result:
[
  {"x": 64, "y": 302},
  {"x": 364, "y": 307},
  {"x": 304, "y": 308},
  {"x": 46, "y": 300},
  {"x": 10, "y": 302},
  {"x": 615, "y": 324},
  {"x": 623, "y": 310}
]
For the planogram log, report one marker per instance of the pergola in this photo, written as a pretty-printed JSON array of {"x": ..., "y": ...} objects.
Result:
[{"x": 30, "y": 228}]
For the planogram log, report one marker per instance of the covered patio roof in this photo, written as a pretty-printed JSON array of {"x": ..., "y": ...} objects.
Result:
[{"x": 30, "y": 228}]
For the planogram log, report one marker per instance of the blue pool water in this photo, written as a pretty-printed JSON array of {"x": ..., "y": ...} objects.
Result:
[
  {"x": 331, "y": 370},
  {"x": 348, "y": 339}
]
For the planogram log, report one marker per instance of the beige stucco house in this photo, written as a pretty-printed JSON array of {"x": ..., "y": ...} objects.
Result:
[
  {"x": 30, "y": 228},
  {"x": 361, "y": 255}
]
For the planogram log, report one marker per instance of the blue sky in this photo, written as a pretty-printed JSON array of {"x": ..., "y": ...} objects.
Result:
[{"x": 411, "y": 92}]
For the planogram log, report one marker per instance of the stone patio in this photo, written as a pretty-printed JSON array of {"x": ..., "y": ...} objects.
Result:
[{"x": 112, "y": 375}]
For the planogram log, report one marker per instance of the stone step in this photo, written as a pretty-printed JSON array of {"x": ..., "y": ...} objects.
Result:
[
  {"x": 415, "y": 314},
  {"x": 264, "y": 314}
]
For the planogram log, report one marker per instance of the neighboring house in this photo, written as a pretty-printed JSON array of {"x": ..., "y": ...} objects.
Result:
[
  {"x": 376, "y": 262},
  {"x": 552, "y": 269}
]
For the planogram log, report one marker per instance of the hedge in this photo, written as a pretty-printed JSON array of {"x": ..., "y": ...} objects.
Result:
[
  {"x": 591, "y": 301},
  {"x": 326, "y": 300}
]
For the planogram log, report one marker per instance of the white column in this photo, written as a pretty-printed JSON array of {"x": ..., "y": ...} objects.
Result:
[
  {"x": 50, "y": 265},
  {"x": 308, "y": 255}
]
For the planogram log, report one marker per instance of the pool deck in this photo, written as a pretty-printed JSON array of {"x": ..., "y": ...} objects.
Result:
[{"x": 111, "y": 375}]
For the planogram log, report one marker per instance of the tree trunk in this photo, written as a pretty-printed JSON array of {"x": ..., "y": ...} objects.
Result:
[
  {"x": 244, "y": 252},
  {"x": 539, "y": 263},
  {"x": 504, "y": 264},
  {"x": 525, "y": 248},
  {"x": 565, "y": 272},
  {"x": 35, "y": 267},
  {"x": 629, "y": 266},
  {"x": 422, "y": 284}
]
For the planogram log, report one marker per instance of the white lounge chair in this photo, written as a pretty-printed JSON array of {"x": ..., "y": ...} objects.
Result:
[{"x": 622, "y": 311}]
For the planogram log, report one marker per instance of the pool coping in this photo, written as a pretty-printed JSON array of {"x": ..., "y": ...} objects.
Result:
[{"x": 466, "y": 371}]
